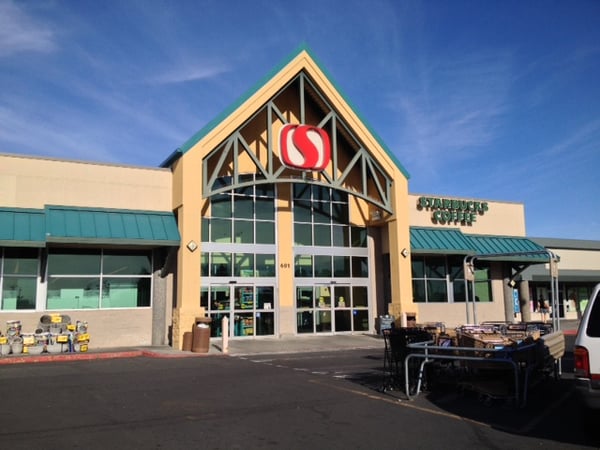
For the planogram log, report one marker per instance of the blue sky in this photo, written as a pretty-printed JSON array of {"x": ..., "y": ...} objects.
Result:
[{"x": 496, "y": 100}]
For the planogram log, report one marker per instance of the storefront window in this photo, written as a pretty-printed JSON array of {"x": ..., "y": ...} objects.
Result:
[
  {"x": 92, "y": 279},
  {"x": 18, "y": 278},
  {"x": 245, "y": 216}
]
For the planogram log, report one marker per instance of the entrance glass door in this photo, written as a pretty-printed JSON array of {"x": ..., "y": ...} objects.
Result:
[
  {"x": 249, "y": 309},
  {"x": 331, "y": 308}
]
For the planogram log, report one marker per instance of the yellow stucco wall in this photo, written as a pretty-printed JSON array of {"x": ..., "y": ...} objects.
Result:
[
  {"x": 187, "y": 193},
  {"x": 501, "y": 218},
  {"x": 32, "y": 182}
]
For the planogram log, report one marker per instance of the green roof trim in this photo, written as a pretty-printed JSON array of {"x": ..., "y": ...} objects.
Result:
[
  {"x": 177, "y": 153},
  {"x": 519, "y": 248},
  {"x": 110, "y": 226},
  {"x": 21, "y": 227},
  {"x": 439, "y": 240},
  {"x": 451, "y": 241}
]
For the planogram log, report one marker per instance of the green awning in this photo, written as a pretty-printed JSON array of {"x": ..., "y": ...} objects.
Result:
[
  {"x": 451, "y": 241},
  {"x": 20, "y": 227},
  {"x": 439, "y": 240},
  {"x": 511, "y": 248},
  {"x": 110, "y": 226}
]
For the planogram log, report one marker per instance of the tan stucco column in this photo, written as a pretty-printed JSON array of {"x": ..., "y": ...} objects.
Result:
[{"x": 399, "y": 245}]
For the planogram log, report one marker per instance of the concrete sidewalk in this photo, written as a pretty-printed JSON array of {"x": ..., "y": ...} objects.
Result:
[{"x": 237, "y": 347}]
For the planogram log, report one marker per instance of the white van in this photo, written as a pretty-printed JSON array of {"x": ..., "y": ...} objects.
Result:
[{"x": 587, "y": 353}]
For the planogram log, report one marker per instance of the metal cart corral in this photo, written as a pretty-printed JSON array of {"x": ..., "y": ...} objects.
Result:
[{"x": 504, "y": 372}]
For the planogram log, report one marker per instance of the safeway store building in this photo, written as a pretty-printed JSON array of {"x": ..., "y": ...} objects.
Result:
[{"x": 286, "y": 214}]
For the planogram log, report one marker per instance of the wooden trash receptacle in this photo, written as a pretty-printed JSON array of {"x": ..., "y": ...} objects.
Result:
[
  {"x": 201, "y": 335},
  {"x": 187, "y": 341}
]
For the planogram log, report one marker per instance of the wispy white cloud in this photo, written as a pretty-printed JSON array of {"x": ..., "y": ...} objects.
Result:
[
  {"x": 454, "y": 109},
  {"x": 186, "y": 74},
  {"x": 20, "y": 32}
]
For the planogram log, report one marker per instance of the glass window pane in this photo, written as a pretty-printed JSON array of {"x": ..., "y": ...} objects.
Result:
[
  {"x": 323, "y": 235},
  {"x": 360, "y": 267},
  {"x": 301, "y": 191},
  {"x": 437, "y": 291},
  {"x": 130, "y": 263},
  {"x": 339, "y": 196},
  {"x": 18, "y": 293},
  {"x": 222, "y": 182},
  {"x": 304, "y": 297},
  {"x": 459, "y": 290},
  {"x": 359, "y": 236},
  {"x": 265, "y": 232},
  {"x": 220, "y": 230},
  {"x": 243, "y": 207},
  {"x": 303, "y": 266},
  {"x": 323, "y": 321},
  {"x": 322, "y": 266},
  {"x": 340, "y": 236},
  {"x": 204, "y": 265},
  {"x": 265, "y": 265},
  {"x": 302, "y": 211},
  {"x": 244, "y": 297},
  {"x": 204, "y": 303},
  {"x": 219, "y": 298},
  {"x": 243, "y": 324},
  {"x": 265, "y": 190},
  {"x": 74, "y": 262},
  {"x": 418, "y": 267},
  {"x": 360, "y": 296},
  {"x": 419, "y": 291},
  {"x": 265, "y": 209},
  {"x": 341, "y": 266},
  {"x": 321, "y": 193},
  {"x": 455, "y": 267},
  {"x": 73, "y": 293},
  {"x": 322, "y": 212},
  {"x": 21, "y": 261},
  {"x": 305, "y": 322},
  {"x": 244, "y": 231},
  {"x": 342, "y": 297},
  {"x": 483, "y": 291},
  {"x": 205, "y": 230},
  {"x": 435, "y": 267},
  {"x": 265, "y": 297},
  {"x": 323, "y": 295},
  {"x": 244, "y": 265},
  {"x": 220, "y": 265},
  {"x": 220, "y": 206},
  {"x": 265, "y": 323},
  {"x": 360, "y": 320},
  {"x": 125, "y": 292},
  {"x": 339, "y": 213},
  {"x": 302, "y": 234},
  {"x": 343, "y": 320}
]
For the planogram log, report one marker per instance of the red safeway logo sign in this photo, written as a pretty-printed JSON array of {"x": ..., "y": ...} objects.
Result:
[{"x": 304, "y": 147}]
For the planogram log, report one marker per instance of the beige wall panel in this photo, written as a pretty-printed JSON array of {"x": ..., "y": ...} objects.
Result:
[
  {"x": 454, "y": 314},
  {"x": 577, "y": 260},
  {"x": 29, "y": 182},
  {"x": 107, "y": 328},
  {"x": 501, "y": 218}
]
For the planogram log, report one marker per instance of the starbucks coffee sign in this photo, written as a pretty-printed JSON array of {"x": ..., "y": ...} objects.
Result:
[{"x": 447, "y": 211}]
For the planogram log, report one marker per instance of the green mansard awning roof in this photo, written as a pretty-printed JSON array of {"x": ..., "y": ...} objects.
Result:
[
  {"x": 61, "y": 224},
  {"x": 439, "y": 240},
  {"x": 110, "y": 226},
  {"x": 20, "y": 227},
  {"x": 453, "y": 241}
]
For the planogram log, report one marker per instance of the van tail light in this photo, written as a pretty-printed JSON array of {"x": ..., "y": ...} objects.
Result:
[{"x": 582, "y": 362}]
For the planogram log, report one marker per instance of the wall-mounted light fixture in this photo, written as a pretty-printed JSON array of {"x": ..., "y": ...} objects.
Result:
[
  {"x": 376, "y": 215},
  {"x": 192, "y": 246}
]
